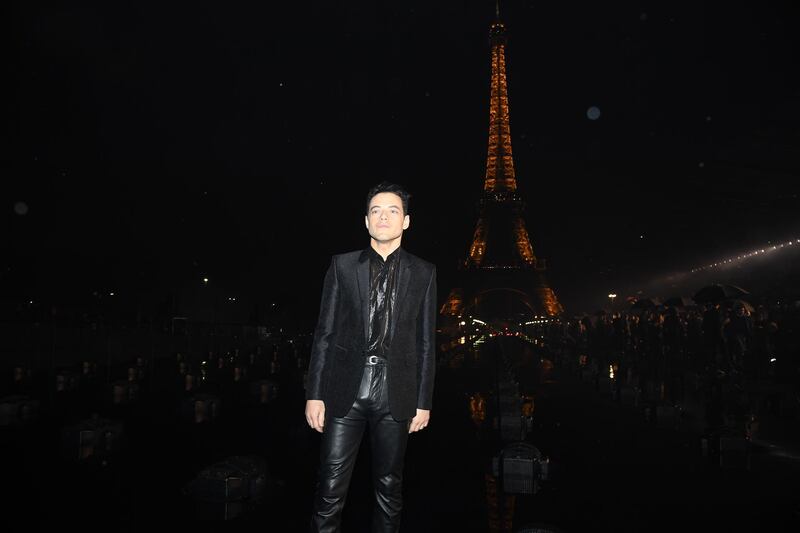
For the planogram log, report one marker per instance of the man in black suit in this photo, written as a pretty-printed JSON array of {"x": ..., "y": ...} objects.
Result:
[{"x": 372, "y": 362}]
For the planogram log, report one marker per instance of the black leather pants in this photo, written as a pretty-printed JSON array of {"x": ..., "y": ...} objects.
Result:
[{"x": 340, "y": 442}]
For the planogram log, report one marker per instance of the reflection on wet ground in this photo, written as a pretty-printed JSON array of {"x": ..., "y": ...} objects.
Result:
[
  {"x": 613, "y": 461},
  {"x": 616, "y": 467}
]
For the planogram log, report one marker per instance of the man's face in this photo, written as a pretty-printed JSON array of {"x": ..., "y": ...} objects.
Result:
[{"x": 385, "y": 219}]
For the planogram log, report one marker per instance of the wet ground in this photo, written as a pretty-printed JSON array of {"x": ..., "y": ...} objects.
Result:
[{"x": 614, "y": 469}]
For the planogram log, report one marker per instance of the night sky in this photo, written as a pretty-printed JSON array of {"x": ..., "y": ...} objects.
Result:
[{"x": 149, "y": 146}]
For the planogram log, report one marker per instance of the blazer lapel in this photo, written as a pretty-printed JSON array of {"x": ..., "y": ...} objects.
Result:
[
  {"x": 402, "y": 289},
  {"x": 362, "y": 275}
]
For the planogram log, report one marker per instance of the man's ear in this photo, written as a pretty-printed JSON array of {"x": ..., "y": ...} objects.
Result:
[
  {"x": 366, "y": 221},
  {"x": 406, "y": 221}
]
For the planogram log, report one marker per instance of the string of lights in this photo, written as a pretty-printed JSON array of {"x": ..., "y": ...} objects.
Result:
[{"x": 760, "y": 251}]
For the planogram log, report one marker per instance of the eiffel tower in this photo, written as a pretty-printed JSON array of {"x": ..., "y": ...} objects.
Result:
[{"x": 501, "y": 274}]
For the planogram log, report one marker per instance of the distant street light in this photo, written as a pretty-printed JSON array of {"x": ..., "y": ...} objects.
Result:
[{"x": 611, "y": 297}]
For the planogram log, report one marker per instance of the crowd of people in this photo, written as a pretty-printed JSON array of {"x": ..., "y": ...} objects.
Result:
[{"x": 722, "y": 349}]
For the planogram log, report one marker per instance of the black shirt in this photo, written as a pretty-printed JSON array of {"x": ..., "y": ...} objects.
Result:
[{"x": 382, "y": 299}]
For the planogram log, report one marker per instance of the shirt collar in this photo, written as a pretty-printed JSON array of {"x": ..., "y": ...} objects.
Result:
[{"x": 372, "y": 254}]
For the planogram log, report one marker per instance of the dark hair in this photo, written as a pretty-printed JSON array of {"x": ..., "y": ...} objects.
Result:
[{"x": 386, "y": 186}]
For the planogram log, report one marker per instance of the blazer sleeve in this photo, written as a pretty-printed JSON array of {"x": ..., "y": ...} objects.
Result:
[
  {"x": 426, "y": 345},
  {"x": 323, "y": 333}
]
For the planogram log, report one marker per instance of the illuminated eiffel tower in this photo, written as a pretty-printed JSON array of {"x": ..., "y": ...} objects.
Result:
[{"x": 501, "y": 274}]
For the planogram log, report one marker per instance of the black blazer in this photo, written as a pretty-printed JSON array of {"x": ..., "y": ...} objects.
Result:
[{"x": 338, "y": 351}]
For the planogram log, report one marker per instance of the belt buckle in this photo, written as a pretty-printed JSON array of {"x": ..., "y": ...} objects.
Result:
[{"x": 372, "y": 359}]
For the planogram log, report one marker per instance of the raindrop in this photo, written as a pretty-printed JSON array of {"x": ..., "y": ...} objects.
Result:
[
  {"x": 593, "y": 113},
  {"x": 21, "y": 208}
]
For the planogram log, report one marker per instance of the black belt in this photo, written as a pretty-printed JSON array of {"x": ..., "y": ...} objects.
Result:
[{"x": 375, "y": 360}]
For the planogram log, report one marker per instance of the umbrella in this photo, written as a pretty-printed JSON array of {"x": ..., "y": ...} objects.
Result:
[
  {"x": 644, "y": 303},
  {"x": 733, "y": 303},
  {"x": 718, "y": 292},
  {"x": 641, "y": 304},
  {"x": 679, "y": 301}
]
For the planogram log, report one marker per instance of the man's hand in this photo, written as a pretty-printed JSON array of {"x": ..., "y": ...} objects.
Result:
[
  {"x": 420, "y": 421},
  {"x": 315, "y": 414}
]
